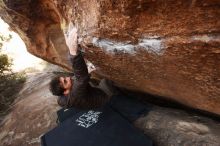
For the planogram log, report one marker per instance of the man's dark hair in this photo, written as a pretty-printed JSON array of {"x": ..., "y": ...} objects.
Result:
[{"x": 55, "y": 86}]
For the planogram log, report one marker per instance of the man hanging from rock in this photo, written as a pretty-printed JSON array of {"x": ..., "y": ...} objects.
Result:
[{"x": 75, "y": 91}]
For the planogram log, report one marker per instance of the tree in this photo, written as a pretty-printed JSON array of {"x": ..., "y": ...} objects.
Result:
[
  {"x": 10, "y": 83},
  {"x": 5, "y": 62}
]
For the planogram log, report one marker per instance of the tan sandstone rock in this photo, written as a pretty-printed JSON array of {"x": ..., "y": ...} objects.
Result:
[{"x": 164, "y": 47}]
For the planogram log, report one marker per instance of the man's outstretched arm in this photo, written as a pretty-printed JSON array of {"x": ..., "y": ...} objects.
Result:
[
  {"x": 80, "y": 83},
  {"x": 79, "y": 66},
  {"x": 78, "y": 63}
]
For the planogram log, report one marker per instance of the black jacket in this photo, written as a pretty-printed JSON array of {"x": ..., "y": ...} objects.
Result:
[{"x": 82, "y": 95}]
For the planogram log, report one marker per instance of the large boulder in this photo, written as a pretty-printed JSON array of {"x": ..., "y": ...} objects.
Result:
[{"x": 164, "y": 47}]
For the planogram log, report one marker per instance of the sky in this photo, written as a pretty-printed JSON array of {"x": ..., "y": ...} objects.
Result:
[{"x": 16, "y": 50}]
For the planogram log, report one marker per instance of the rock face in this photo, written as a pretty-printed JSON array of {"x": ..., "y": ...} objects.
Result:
[
  {"x": 174, "y": 127},
  {"x": 164, "y": 47},
  {"x": 33, "y": 114}
]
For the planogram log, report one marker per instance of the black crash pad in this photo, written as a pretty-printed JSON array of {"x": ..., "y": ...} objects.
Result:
[{"x": 100, "y": 127}]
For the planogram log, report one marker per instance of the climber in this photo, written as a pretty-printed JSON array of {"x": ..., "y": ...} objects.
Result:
[{"x": 75, "y": 91}]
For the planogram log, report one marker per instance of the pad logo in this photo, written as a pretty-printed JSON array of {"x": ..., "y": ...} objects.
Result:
[{"x": 88, "y": 119}]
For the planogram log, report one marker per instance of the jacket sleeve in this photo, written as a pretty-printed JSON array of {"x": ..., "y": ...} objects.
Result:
[
  {"x": 79, "y": 67},
  {"x": 81, "y": 81}
]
